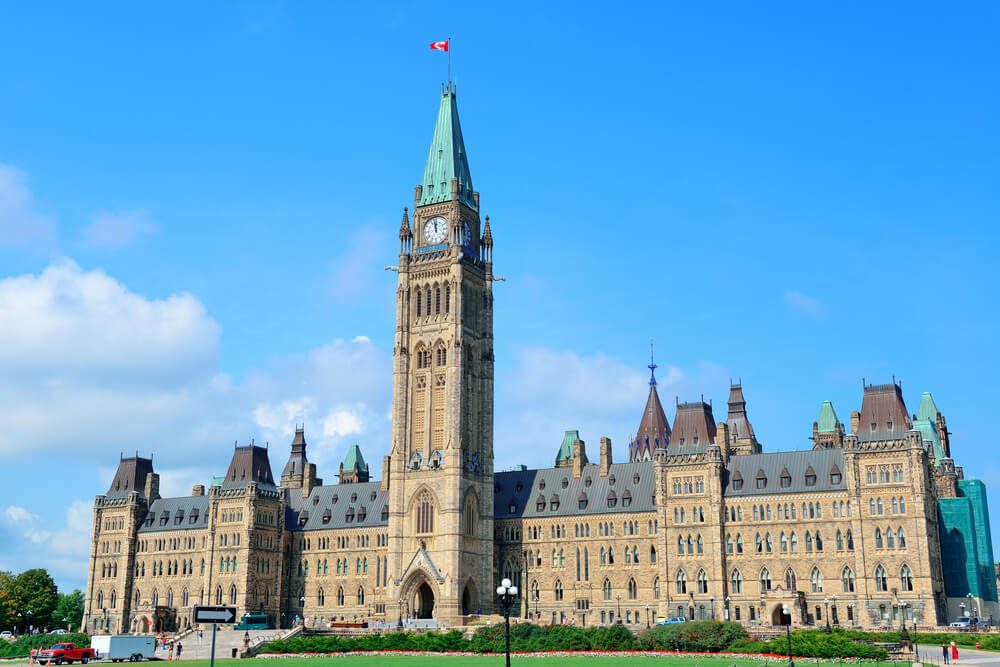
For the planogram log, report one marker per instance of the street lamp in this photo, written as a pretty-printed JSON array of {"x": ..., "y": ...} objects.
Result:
[
  {"x": 904, "y": 636},
  {"x": 400, "y": 613},
  {"x": 647, "y": 616},
  {"x": 619, "y": 598},
  {"x": 788, "y": 632},
  {"x": 826, "y": 604},
  {"x": 507, "y": 593},
  {"x": 711, "y": 601},
  {"x": 535, "y": 597},
  {"x": 727, "y": 601}
]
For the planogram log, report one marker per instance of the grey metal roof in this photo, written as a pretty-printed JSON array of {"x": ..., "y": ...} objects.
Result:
[
  {"x": 176, "y": 514},
  {"x": 523, "y": 489},
  {"x": 130, "y": 476},
  {"x": 329, "y": 506},
  {"x": 822, "y": 461}
]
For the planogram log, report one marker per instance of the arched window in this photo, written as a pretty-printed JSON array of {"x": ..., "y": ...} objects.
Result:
[
  {"x": 739, "y": 543},
  {"x": 419, "y": 304},
  {"x": 558, "y": 589},
  {"x": 447, "y": 298},
  {"x": 783, "y": 541},
  {"x": 321, "y": 597},
  {"x": 100, "y": 599},
  {"x": 702, "y": 582},
  {"x": 847, "y": 580},
  {"x": 361, "y": 595},
  {"x": 881, "y": 579},
  {"x": 729, "y": 544},
  {"x": 633, "y": 589},
  {"x": 736, "y": 582},
  {"x": 428, "y": 302},
  {"x": 606, "y": 589},
  {"x": 758, "y": 543},
  {"x": 652, "y": 553},
  {"x": 816, "y": 580},
  {"x": 425, "y": 513},
  {"x": 682, "y": 585},
  {"x": 890, "y": 539},
  {"x": 765, "y": 580},
  {"x": 701, "y": 545},
  {"x": 768, "y": 543},
  {"x": 218, "y": 595},
  {"x": 656, "y": 588},
  {"x": 437, "y": 300},
  {"x": 840, "y": 541},
  {"x": 878, "y": 538},
  {"x": 878, "y": 504},
  {"x": 791, "y": 581},
  {"x": 232, "y": 594},
  {"x": 680, "y": 545},
  {"x": 690, "y": 542},
  {"x": 819, "y": 541},
  {"x": 905, "y": 578},
  {"x": 902, "y": 538},
  {"x": 850, "y": 540}
]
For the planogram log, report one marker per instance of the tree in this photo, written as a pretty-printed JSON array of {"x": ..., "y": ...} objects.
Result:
[
  {"x": 68, "y": 613},
  {"x": 35, "y": 597},
  {"x": 7, "y": 617}
]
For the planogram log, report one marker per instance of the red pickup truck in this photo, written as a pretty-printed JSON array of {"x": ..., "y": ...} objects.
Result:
[{"x": 64, "y": 653}]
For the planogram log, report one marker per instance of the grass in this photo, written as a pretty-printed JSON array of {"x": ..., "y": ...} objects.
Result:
[{"x": 388, "y": 660}]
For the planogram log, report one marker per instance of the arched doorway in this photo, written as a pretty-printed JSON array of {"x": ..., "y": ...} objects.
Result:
[
  {"x": 423, "y": 601},
  {"x": 470, "y": 599},
  {"x": 778, "y": 617}
]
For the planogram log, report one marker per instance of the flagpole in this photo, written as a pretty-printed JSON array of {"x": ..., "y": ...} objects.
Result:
[{"x": 449, "y": 64}]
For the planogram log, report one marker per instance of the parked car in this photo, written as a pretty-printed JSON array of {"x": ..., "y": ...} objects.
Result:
[
  {"x": 673, "y": 620},
  {"x": 64, "y": 654},
  {"x": 58, "y": 632},
  {"x": 965, "y": 622},
  {"x": 8, "y": 635}
]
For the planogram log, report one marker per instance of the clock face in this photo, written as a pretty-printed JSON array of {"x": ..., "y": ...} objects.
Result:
[
  {"x": 435, "y": 230},
  {"x": 466, "y": 234}
]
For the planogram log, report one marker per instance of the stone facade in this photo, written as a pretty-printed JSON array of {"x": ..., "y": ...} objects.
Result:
[{"x": 699, "y": 523}]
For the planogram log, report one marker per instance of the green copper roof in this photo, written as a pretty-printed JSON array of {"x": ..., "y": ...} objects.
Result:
[
  {"x": 827, "y": 418},
  {"x": 447, "y": 158},
  {"x": 566, "y": 448},
  {"x": 354, "y": 460},
  {"x": 928, "y": 432},
  {"x": 927, "y": 409}
]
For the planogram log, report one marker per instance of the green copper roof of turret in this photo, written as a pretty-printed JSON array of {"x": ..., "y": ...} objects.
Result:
[
  {"x": 827, "y": 422},
  {"x": 447, "y": 158},
  {"x": 928, "y": 432},
  {"x": 566, "y": 448},
  {"x": 927, "y": 410},
  {"x": 354, "y": 460}
]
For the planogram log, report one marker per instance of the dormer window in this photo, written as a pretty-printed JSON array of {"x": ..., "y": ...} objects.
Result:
[
  {"x": 587, "y": 481},
  {"x": 372, "y": 497},
  {"x": 385, "y": 513},
  {"x": 761, "y": 480},
  {"x": 581, "y": 501},
  {"x": 513, "y": 508},
  {"x": 541, "y": 485},
  {"x": 612, "y": 499},
  {"x": 635, "y": 478},
  {"x": 611, "y": 480},
  {"x": 333, "y": 501},
  {"x": 889, "y": 425},
  {"x": 349, "y": 516},
  {"x": 554, "y": 503},
  {"x": 327, "y": 515},
  {"x": 316, "y": 500},
  {"x": 737, "y": 481},
  {"x": 810, "y": 476},
  {"x": 835, "y": 477},
  {"x": 362, "y": 514},
  {"x": 874, "y": 426},
  {"x": 354, "y": 497},
  {"x": 565, "y": 482},
  {"x": 626, "y": 499},
  {"x": 540, "y": 504},
  {"x": 786, "y": 479}
]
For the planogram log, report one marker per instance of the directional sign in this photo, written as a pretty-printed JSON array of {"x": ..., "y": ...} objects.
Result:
[{"x": 214, "y": 614}]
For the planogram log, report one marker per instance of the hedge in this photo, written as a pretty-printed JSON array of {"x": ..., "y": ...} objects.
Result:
[
  {"x": 21, "y": 647},
  {"x": 813, "y": 644},
  {"x": 692, "y": 637}
]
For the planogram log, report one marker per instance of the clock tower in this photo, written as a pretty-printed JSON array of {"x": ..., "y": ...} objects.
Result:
[{"x": 440, "y": 467}]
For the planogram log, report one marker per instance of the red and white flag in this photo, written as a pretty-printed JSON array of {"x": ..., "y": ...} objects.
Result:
[{"x": 439, "y": 46}]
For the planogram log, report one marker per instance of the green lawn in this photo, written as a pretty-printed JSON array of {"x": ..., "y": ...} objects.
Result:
[{"x": 498, "y": 660}]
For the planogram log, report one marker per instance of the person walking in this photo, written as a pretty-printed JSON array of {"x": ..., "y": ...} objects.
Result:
[
  {"x": 954, "y": 653},
  {"x": 944, "y": 653},
  {"x": 246, "y": 640},
  {"x": 180, "y": 647},
  {"x": 170, "y": 652}
]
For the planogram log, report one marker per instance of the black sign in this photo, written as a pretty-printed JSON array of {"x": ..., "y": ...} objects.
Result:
[{"x": 214, "y": 614}]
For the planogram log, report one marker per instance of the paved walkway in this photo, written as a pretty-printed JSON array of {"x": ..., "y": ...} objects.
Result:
[
  {"x": 931, "y": 655},
  {"x": 225, "y": 642}
]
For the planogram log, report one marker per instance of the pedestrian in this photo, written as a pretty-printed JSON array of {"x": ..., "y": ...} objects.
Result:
[
  {"x": 170, "y": 652},
  {"x": 246, "y": 640},
  {"x": 180, "y": 647},
  {"x": 954, "y": 653},
  {"x": 201, "y": 636},
  {"x": 944, "y": 653}
]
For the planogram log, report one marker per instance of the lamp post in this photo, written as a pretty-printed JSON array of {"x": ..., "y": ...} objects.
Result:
[
  {"x": 618, "y": 597},
  {"x": 788, "y": 632},
  {"x": 727, "y": 601},
  {"x": 507, "y": 593},
  {"x": 400, "y": 624},
  {"x": 826, "y": 604},
  {"x": 647, "y": 616},
  {"x": 711, "y": 602},
  {"x": 904, "y": 636},
  {"x": 535, "y": 596}
]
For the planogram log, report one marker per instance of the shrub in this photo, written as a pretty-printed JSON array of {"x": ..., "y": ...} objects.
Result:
[
  {"x": 819, "y": 644},
  {"x": 694, "y": 636},
  {"x": 21, "y": 647},
  {"x": 612, "y": 638}
]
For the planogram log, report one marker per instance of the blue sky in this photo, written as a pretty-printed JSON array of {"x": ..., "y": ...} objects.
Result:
[{"x": 196, "y": 203}]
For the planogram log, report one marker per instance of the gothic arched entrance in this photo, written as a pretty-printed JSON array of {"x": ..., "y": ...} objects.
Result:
[
  {"x": 470, "y": 599},
  {"x": 423, "y": 602},
  {"x": 778, "y": 617}
]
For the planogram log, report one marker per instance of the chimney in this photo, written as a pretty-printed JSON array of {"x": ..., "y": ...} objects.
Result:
[
  {"x": 579, "y": 458},
  {"x": 198, "y": 490},
  {"x": 722, "y": 439},
  {"x": 384, "y": 482},
  {"x": 855, "y": 422},
  {"x": 605, "y": 456},
  {"x": 152, "y": 490},
  {"x": 308, "y": 480}
]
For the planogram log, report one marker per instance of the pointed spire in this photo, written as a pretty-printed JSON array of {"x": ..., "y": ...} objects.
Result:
[
  {"x": 652, "y": 365},
  {"x": 487, "y": 234},
  {"x": 447, "y": 162},
  {"x": 927, "y": 409},
  {"x": 404, "y": 226}
]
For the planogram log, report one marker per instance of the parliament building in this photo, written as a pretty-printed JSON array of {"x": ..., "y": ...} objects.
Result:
[{"x": 873, "y": 525}]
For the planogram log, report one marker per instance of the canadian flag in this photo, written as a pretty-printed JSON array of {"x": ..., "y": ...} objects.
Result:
[{"x": 439, "y": 46}]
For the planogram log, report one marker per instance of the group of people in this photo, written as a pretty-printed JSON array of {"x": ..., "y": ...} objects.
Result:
[
  {"x": 173, "y": 649},
  {"x": 949, "y": 653}
]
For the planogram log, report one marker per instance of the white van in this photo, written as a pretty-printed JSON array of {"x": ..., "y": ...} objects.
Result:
[{"x": 118, "y": 648}]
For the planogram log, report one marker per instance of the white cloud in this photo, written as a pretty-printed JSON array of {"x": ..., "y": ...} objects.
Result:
[
  {"x": 340, "y": 423},
  {"x": 17, "y": 514},
  {"x": 116, "y": 229},
  {"x": 21, "y": 223},
  {"x": 805, "y": 304}
]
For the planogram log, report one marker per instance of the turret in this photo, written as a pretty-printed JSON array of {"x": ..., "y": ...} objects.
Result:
[
  {"x": 353, "y": 468},
  {"x": 828, "y": 432}
]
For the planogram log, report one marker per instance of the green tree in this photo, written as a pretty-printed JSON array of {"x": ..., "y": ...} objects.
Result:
[
  {"x": 35, "y": 598},
  {"x": 69, "y": 610},
  {"x": 7, "y": 617}
]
